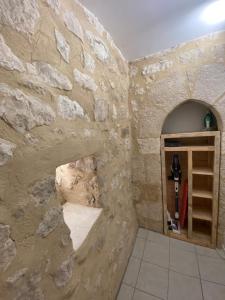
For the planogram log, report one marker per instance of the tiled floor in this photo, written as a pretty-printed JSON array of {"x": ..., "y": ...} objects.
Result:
[{"x": 164, "y": 268}]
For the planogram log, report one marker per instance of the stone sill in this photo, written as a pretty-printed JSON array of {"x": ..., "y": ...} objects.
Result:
[{"x": 80, "y": 219}]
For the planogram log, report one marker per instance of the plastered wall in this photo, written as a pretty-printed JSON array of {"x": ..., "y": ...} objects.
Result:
[
  {"x": 158, "y": 84},
  {"x": 63, "y": 96}
]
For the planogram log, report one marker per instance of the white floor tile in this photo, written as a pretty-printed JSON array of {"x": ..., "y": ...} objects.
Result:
[
  {"x": 138, "y": 295},
  {"x": 142, "y": 233},
  {"x": 138, "y": 248},
  {"x": 153, "y": 279},
  {"x": 212, "y": 269},
  {"x": 184, "y": 262},
  {"x": 182, "y": 245},
  {"x": 207, "y": 252},
  {"x": 158, "y": 238},
  {"x": 213, "y": 291},
  {"x": 131, "y": 275},
  {"x": 156, "y": 254},
  {"x": 182, "y": 287},
  {"x": 126, "y": 292}
]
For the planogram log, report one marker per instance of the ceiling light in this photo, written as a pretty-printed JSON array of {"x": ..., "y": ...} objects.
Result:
[{"x": 214, "y": 13}]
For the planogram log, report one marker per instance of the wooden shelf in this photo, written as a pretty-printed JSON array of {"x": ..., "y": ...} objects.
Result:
[
  {"x": 189, "y": 148},
  {"x": 190, "y": 134},
  {"x": 199, "y": 154},
  {"x": 202, "y": 194},
  {"x": 202, "y": 171},
  {"x": 202, "y": 214},
  {"x": 198, "y": 238}
]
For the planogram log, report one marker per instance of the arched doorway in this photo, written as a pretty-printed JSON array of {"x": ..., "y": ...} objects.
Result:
[{"x": 190, "y": 153}]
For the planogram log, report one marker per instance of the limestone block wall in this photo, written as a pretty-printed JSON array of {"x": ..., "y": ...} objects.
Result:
[
  {"x": 159, "y": 83},
  {"x": 63, "y": 96}
]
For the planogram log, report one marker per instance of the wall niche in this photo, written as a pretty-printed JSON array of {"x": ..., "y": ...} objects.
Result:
[{"x": 78, "y": 188}]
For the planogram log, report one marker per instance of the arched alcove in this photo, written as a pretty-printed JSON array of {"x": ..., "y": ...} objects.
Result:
[
  {"x": 189, "y": 117},
  {"x": 195, "y": 149}
]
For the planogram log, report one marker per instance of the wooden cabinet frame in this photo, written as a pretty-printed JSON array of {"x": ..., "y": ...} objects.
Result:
[{"x": 193, "y": 144}]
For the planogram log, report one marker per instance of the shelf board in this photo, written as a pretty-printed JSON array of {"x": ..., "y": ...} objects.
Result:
[
  {"x": 202, "y": 194},
  {"x": 202, "y": 214},
  {"x": 202, "y": 171},
  {"x": 190, "y": 134},
  {"x": 198, "y": 238},
  {"x": 189, "y": 148}
]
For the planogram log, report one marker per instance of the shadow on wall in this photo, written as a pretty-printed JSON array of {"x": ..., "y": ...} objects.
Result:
[
  {"x": 187, "y": 117},
  {"x": 77, "y": 186}
]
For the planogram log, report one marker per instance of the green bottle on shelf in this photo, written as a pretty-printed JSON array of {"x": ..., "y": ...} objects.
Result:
[{"x": 209, "y": 121}]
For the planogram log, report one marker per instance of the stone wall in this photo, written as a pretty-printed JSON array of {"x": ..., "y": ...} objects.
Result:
[
  {"x": 159, "y": 83},
  {"x": 63, "y": 96}
]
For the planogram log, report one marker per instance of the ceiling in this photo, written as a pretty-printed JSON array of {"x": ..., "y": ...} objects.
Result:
[{"x": 142, "y": 27}]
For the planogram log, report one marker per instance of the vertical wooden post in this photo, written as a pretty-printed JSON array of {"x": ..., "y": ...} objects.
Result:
[
  {"x": 164, "y": 186},
  {"x": 190, "y": 181},
  {"x": 216, "y": 165}
]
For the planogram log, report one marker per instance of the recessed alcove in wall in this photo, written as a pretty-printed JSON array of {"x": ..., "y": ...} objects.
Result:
[
  {"x": 77, "y": 186},
  {"x": 186, "y": 139},
  {"x": 187, "y": 117}
]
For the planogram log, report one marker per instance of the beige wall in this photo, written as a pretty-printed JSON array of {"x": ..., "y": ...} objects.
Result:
[
  {"x": 158, "y": 84},
  {"x": 63, "y": 96}
]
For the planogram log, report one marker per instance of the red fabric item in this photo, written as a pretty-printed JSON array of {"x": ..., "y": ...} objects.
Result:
[{"x": 184, "y": 204}]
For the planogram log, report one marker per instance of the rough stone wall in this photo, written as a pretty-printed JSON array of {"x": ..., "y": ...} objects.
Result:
[
  {"x": 158, "y": 83},
  {"x": 77, "y": 182},
  {"x": 63, "y": 96}
]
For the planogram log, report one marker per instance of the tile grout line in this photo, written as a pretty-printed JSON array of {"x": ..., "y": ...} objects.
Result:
[
  {"x": 196, "y": 253},
  {"x": 122, "y": 282},
  {"x": 141, "y": 259},
  {"x": 147, "y": 293},
  {"x": 168, "y": 272}
]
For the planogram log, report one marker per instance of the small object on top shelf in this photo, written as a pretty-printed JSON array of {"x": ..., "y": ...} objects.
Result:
[{"x": 209, "y": 122}]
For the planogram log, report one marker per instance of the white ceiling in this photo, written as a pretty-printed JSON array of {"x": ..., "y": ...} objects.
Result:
[{"x": 142, "y": 27}]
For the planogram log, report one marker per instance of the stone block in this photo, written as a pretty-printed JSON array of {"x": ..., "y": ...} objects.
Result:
[
  {"x": 64, "y": 273},
  {"x": 8, "y": 60},
  {"x": 77, "y": 182},
  {"x": 42, "y": 190},
  {"x": 6, "y": 151},
  {"x": 20, "y": 15},
  {"x": 23, "y": 112},
  {"x": 85, "y": 81},
  {"x": 50, "y": 221},
  {"x": 55, "y": 5},
  {"x": 73, "y": 24},
  {"x": 98, "y": 46},
  {"x": 69, "y": 109},
  {"x": 25, "y": 285},
  {"x": 7, "y": 248},
  {"x": 151, "y": 69},
  {"x": 62, "y": 46},
  {"x": 101, "y": 110},
  {"x": 88, "y": 62}
]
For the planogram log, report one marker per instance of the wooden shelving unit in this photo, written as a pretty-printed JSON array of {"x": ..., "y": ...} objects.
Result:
[{"x": 199, "y": 155}]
